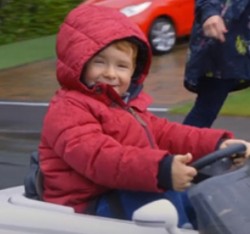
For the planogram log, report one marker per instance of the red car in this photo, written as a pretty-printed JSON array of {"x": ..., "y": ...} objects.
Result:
[{"x": 162, "y": 21}]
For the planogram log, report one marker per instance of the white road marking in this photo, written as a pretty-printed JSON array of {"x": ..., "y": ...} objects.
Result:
[
  {"x": 24, "y": 103},
  {"x": 6, "y": 103}
]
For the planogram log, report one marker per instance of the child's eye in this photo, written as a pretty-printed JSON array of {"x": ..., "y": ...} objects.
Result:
[
  {"x": 98, "y": 61},
  {"x": 123, "y": 65}
]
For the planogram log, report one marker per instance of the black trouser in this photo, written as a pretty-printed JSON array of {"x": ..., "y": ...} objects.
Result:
[{"x": 210, "y": 99}]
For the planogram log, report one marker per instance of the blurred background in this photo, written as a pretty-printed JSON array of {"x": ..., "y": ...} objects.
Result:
[{"x": 29, "y": 19}]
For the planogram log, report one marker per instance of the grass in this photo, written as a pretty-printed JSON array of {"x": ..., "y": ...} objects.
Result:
[
  {"x": 237, "y": 104},
  {"x": 24, "y": 52}
]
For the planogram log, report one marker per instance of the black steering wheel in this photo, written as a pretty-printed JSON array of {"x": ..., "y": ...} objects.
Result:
[{"x": 215, "y": 156}]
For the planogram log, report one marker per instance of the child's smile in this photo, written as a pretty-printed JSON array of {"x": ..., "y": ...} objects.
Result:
[{"x": 111, "y": 66}]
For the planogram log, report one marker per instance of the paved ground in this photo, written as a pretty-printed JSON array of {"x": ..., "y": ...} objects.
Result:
[{"x": 37, "y": 82}]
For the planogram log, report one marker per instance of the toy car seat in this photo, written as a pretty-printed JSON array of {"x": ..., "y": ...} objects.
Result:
[{"x": 33, "y": 182}]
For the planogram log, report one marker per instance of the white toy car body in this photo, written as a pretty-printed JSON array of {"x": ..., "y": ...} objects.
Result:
[{"x": 19, "y": 214}]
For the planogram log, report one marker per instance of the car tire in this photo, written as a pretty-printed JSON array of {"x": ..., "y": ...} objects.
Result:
[{"x": 162, "y": 36}]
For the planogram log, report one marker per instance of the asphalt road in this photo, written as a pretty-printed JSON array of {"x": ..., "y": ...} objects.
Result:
[
  {"x": 19, "y": 135},
  {"x": 20, "y": 126}
]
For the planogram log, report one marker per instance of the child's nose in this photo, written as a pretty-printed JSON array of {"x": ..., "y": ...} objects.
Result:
[{"x": 110, "y": 72}]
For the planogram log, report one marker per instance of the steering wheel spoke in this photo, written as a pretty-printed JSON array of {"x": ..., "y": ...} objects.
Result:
[{"x": 218, "y": 155}]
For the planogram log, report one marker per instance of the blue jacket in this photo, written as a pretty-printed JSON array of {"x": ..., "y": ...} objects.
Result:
[{"x": 209, "y": 57}]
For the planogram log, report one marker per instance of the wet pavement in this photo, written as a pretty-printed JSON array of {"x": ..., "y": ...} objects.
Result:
[
  {"x": 20, "y": 124},
  {"x": 37, "y": 82}
]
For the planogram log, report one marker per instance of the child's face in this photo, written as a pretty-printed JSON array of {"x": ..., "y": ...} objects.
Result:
[{"x": 111, "y": 66}]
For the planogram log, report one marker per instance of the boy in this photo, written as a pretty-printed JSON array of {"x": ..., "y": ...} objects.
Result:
[{"x": 98, "y": 136}]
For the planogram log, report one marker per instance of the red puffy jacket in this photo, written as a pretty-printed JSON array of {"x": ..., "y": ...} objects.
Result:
[{"x": 91, "y": 140}]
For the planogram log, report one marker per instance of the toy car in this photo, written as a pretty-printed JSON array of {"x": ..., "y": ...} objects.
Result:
[
  {"x": 219, "y": 205},
  {"x": 221, "y": 202},
  {"x": 19, "y": 214},
  {"x": 162, "y": 21}
]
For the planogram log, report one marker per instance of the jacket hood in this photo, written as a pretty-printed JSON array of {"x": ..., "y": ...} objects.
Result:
[{"x": 88, "y": 29}]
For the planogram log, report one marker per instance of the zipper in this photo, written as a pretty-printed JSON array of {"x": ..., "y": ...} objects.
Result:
[{"x": 144, "y": 125}]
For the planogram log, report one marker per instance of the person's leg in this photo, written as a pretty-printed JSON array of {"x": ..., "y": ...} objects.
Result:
[
  {"x": 210, "y": 98},
  {"x": 186, "y": 213},
  {"x": 121, "y": 204},
  {"x": 124, "y": 203}
]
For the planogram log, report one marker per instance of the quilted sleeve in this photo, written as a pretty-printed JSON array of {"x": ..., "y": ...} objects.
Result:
[{"x": 206, "y": 8}]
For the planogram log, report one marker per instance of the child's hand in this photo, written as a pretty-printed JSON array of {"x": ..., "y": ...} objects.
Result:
[
  {"x": 182, "y": 174},
  {"x": 238, "y": 160},
  {"x": 214, "y": 27}
]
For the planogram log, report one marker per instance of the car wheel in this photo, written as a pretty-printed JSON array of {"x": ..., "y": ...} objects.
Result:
[{"x": 162, "y": 36}]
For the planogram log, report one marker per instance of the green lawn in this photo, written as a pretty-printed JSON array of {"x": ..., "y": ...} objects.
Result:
[
  {"x": 237, "y": 104},
  {"x": 24, "y": 52}
]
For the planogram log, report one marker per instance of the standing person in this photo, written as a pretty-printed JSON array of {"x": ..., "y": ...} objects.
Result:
[
  {"x": 218, "y": 57},
  {"x": 99, "y": 143}
]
